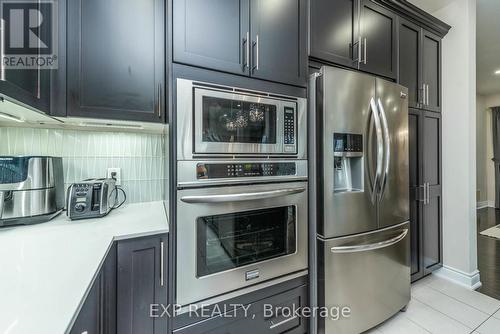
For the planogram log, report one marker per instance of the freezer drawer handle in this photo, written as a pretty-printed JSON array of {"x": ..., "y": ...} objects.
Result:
[
  {"x": 241, "y": 197},
  {"x": 370, "y": 247}
]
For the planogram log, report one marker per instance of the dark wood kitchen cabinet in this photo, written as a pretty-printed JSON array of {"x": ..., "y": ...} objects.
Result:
[
  {"x": 116, "y": 59},
  {"x": 378, "y": 40},
  {"x": 265, "y": 39},
  {"x": 279, "y": 40},
  {"x": 355, "y": 33},
  {"x": 132, "y": 277},
  {"x": 425, "y": 192},
  {"x": 141, "y": 281},
  {"x": 334, "y": 33},
  {"x": 420, "y": 66},
  {"x": 29, "y": 87},
  {"x": 98, "y": 312},
  {"x": 213, "y": 34}
]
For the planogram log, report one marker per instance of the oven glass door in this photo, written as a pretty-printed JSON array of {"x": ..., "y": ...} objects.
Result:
[
  {"x": 237, "y": 124},
  {"x": 238, "y": 239}
]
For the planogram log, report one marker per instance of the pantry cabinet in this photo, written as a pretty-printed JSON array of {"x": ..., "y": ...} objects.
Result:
[
  {"x": 420, "y": 66},
  {"x": 425, "y": 192}
]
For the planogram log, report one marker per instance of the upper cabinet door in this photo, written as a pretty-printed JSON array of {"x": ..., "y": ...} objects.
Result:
[
  {"x": 378, "y": 38},
  {"x": 115, "y": 63},
  {"x": 334, "y": 31},
  {"x": 431, "y": 61},
  {"x": 31, "y": 87},
  {"x": 409, "y": 61},
  {"x": 212, "y": 34},
  {"x": 279, "y": 48}
]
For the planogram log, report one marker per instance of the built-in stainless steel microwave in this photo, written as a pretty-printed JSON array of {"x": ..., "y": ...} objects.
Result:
[{"x": 227, "y": 121}]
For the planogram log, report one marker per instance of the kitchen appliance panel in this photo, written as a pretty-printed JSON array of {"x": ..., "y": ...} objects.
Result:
[
  {"x": 346, "y": 109},
  {"x": 203, "y": 273},
  {"x": 370, "y": 273},
  {"x": 190, "y": 171},
  {"x": 219, "y": 121},
  {"x": 394, "y": 195}
]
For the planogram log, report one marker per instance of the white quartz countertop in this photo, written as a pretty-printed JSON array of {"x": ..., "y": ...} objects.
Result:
[{"x": 47, "y": 269}]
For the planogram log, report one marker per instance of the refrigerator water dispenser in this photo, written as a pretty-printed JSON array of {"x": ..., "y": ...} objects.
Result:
[{"x": 348, "y": 163}]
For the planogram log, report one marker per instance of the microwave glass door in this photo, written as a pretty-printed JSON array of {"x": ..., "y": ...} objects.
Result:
[
  {"x": 236, "y": 121},
  {"x": 233, "y": 240}
]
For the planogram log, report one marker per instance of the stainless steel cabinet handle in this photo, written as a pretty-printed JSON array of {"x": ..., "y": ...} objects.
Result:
[
  {"x": 2, "y": 49},
  {"x": 387, "y": 148},
  {"x": 241, "y": 197},
  {"x": 380, "y": 152},
  {"x": 159, "y": 101},
  {"x": 428, "y": 193},
  {"x": 423, "y": 94},
  {"x": 256, "y": 44},
  {"x": 246, "y": 50},
  {"x": 162, "y": 251},
  {"x": 370, "y": 247},
  {"x": 274, "y": 325},
  {"x": 364, "y": 60},
  {"x": 427, "y": 94}
]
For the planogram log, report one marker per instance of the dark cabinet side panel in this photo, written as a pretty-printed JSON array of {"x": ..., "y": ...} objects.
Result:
[
  {"x": 431, "y": 49},
  {"x": 333, "y": 31},
  {"x": 116, "y": 59},
  {"x": 212, "y": 34},
  {"x": 278, "y": 29},
  {"x": 415, "y": 204},
  {"x": 379, "y": 34},
  {"x": 89, "y": 318},
  {"x": 409, "y": 61}
]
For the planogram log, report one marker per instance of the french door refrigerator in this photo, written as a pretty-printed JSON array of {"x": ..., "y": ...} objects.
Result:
[{"x": 362, "y": 198}]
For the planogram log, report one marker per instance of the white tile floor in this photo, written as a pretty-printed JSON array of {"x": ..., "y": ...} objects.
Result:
[{"x": 438, "y": 306}]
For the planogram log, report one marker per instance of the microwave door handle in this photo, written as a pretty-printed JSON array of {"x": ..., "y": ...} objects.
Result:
[
  {"x": 380, "y": 153},
  {"x": 387, "y": 148},
  {"x": 370, "y": 247},
  {"x": 242, "y": 196}
]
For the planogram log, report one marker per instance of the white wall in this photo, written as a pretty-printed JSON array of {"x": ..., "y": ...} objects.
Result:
[{"x": 459, "y": 143}]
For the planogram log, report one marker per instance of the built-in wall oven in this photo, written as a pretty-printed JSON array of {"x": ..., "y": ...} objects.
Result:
[
  {"x": 241, "y": 190},
  {"x": 229, "y": 238}
]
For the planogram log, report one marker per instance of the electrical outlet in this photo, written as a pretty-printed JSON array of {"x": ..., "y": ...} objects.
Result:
[{"x": 118, "y": 175}]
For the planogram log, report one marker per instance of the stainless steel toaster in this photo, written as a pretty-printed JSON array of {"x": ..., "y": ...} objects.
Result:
[
  {"x": 31, "y": 189},
  {"x": 91, "y": 198}
]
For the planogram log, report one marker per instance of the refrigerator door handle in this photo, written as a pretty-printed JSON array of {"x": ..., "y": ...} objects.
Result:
[
  {"x": 370, "y": 247},
  {"x": 387, "y": 148},
  {"x": 380, "y": 152}
]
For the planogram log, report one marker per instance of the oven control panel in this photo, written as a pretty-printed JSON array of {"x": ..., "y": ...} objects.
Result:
[
  {"x": 252, "y": 169},
  {"x": 289, "y": 130}
]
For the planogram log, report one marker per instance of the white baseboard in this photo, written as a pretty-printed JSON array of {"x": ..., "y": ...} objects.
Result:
[
  {"x": 468, "y": 280},
  {"x": 485, "y": 204}
]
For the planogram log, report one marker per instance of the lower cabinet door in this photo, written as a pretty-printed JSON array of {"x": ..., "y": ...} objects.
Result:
[
  {"x": 89, "y": 318},
  {"x": 141, "y": 281},
  {"x": 272, "y": 315}
]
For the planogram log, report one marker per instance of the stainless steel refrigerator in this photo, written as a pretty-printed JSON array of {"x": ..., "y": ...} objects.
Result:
[{"x": 362, "y": 198}]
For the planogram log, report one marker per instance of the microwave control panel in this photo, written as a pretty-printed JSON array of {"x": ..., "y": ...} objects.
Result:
[
  {"x": 252, "y": 169},
  {"x": 289, "y": 130}
]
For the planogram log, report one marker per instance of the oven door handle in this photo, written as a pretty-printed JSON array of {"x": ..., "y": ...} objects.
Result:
[{"x": 241, "y": 197}]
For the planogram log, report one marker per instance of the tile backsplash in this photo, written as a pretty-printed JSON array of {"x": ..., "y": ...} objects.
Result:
[{"x": 87, "y": 154}]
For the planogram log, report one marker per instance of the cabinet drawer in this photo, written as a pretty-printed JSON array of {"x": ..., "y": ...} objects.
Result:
[{"x": 270, "y": 315}]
